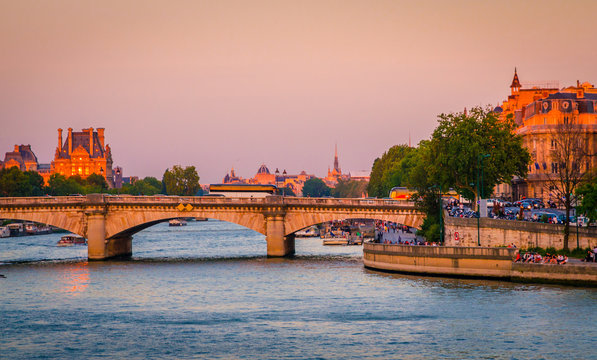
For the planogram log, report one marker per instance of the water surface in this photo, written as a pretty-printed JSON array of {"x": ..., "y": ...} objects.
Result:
[{"x": 208, "y": 291}]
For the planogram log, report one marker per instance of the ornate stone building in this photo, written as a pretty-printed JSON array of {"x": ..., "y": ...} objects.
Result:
[
  {"x": 83, "y": 153},
  {"x": 22, "y": 157},
  {"x": 538, "y": 111}
]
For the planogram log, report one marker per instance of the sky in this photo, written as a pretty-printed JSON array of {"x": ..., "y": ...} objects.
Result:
[{"x": 222, "y": 84}]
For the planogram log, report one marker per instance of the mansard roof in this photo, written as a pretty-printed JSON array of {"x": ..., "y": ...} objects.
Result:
[
  {"x": 82, "y": 139},
  {"x": 22, "y": 154}
]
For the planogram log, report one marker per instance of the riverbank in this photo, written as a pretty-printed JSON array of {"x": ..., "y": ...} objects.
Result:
[{"x": 473, "y": 262}]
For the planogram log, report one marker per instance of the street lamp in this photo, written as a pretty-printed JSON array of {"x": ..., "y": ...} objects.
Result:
[
  {"x": 284, "y": 183},
  {"x": 441, "y": 217},
  {"x": 480, "y": 159}
]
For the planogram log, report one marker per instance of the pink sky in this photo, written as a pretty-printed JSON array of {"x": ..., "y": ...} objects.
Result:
[{"x": 221, "y": 84}]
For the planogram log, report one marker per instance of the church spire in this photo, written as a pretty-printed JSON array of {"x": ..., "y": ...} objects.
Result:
[
  {"x": 515, "y": 86},
  {"x": 336, "y": 165}
]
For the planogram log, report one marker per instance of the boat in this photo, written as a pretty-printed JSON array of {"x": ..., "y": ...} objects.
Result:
[
  {"x": 177, "y": 222},
  {"x": 343, "y": 241},
  {"x": 4, "y": 232},
  {"x": 72, "y": 239},
  {"x": 308, "y": 232}
]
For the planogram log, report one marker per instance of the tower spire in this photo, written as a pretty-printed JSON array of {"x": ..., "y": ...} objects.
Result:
[
  {"x": 515, "y": 86},
  {"x": 336, "y": 165}
]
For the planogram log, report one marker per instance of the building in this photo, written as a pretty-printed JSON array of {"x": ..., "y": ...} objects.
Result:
[
  {"x": 537, "y": 112},
  {"x": 83, "y": 153},
  {"x": 22, "y": 157},
  {"x": 336, "y": 173},
  {"x": 232, "y": 178}
]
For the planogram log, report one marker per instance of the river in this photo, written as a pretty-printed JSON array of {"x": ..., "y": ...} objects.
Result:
[{"x": 207, "y": 290}]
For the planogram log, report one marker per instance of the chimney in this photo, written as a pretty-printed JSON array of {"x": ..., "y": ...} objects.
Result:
[
  {"x": 59, "y": 139},
  {"x": 100, "y": 135},
  {"x": 90, "y": 142},
  {"x": 70, "y": 141}
]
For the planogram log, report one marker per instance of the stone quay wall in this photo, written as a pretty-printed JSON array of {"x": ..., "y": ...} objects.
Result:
[
  {"x": 524, "y": 234},
  {"x": 479, "y": 262}
]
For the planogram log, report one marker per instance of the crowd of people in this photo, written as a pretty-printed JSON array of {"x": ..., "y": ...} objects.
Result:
[
  {"x": 536, "y": 258},
  {"x": 591, "y": 255}
]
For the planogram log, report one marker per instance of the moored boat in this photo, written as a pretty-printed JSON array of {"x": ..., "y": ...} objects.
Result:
[{"x": 4, "y": 232}]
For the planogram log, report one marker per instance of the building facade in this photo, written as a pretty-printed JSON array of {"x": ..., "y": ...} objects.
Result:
[
  {"x": 83, "y": 153},
  {"x": 539, "y": 112}
]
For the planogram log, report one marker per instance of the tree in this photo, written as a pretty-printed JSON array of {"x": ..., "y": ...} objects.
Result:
[
  {"x": 286, "y": 191},
  {"x": 13, "y": 182},
  {"x": 59, "y": 185},
  {"x": 36, "y": 181},
  {"x": 460, "y": 140},
  {"x": 315, "y": 187},
  {"x": 587, "y": 195},
  {"x": 96, "y": 184},
  {"x": 179, "y": 181},
  {"x": 349, "y": 189},
  {"x": 569, "y": 156},
  {"x": 390, "y": 170}
]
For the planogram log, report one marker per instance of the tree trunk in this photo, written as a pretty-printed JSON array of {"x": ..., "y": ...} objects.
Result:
[{"x": 567, "y": 223}]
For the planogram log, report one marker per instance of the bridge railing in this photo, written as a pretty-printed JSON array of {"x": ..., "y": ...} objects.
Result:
[
  {"x": 201, "y": 200},
  {"x": 34, "y": 200}
]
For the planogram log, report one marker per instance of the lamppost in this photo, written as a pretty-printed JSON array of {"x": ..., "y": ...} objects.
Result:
[
  {"x": 277, "y": 172},
  {"x": 284, "y": 183},
  {"x": 441, "y": 217},
  {"x": 480, "y": 159}
]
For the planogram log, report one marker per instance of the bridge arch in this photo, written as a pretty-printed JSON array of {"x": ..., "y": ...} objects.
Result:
[
  {"x": 297, "y": 221},
  {"x": 123, "y": 223},
  {"x": 72, "y": 221}
]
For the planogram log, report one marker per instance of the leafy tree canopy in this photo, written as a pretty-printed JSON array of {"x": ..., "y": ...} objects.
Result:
[
  {"x": 588, "y": 199},
  {"x": 179, "y": 181},
  {"x": 349, "y": 189},
  {"x": 390, "y": 170},
  {"x": 461, "y": 140},
  {"x": 315, "y": 187}
]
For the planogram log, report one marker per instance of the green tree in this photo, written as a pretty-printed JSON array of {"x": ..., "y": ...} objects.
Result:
[
  {"x": 390, "y": 170},
  {"x": 315, "y": 187},
  {"x": 59, "y": 185},
  {"x": 13, "y": 182},
  {"x": 287, "y": 191},
  {"x": 37, "y": 183},
  {"x": 179, "y": 181},
  {"x": 461, "y": 139},
  {"x": 96, "y": 184},
  {"x": 587, "y": 194},
  {"x": 349, "y": 189}
]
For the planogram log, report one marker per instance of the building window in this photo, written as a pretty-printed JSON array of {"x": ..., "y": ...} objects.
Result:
[
  {"x": 554, "y": 168},
  {"x": 80, "y": 170}
]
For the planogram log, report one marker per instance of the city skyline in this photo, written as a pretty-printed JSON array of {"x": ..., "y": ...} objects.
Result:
[{"x": 234, "y": 84}]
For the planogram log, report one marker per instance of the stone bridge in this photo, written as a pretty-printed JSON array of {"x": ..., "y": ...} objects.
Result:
[{"x": 109, "y": 222}]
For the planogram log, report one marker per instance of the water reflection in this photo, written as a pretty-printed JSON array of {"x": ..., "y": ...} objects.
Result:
[{"x": 76, "y": 278}]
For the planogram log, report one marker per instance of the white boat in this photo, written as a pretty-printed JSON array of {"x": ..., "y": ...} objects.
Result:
[
  {"x": 4, "y": 232},
  {"x": 72, "y": 239},
  {"x": 177, "y": 222}
]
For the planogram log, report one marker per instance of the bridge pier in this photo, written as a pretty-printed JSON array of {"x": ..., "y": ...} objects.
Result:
[
  {"x": 100, "y": 248},
  {"x": 277, "y": 244}
]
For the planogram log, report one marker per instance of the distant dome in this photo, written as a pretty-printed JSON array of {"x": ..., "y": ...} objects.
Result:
[
  {"x": 498, "y": 109},
  {"x": 263, "y": 169},
  {"x": 303, "y": 172}
]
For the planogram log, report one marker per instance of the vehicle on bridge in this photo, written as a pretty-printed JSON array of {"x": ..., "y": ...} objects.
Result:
[
  {"x": 242, "y": 190},
  {"x": 401, "y": 193}
]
